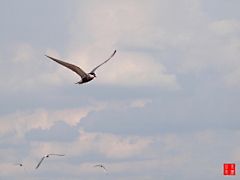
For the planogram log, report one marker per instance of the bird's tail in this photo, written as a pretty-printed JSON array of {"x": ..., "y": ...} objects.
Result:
[{"x": 79, "y": 82}]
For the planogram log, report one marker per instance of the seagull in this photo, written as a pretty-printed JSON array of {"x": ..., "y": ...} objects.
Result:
[
  {"x": 103, "y": 168},
  {"x": 46, "y": 156},
  {"x": 85, "y": 77},
  {"x": 20, "y": 165}
]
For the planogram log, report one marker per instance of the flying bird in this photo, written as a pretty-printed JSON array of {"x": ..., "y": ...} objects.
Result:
[
  {"x": 21, "y": 166},
  {"x": 85, "y": 77},
  {"x": 103, "y": 168},
  {"x": 46, "y": 156}
]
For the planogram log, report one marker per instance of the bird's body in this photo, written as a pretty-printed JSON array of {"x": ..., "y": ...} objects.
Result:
[
  {"x": 101, "y": 166},
  {"x": 85, "y": 77},
  {"x": 46, "y": 156},
  {"x": 20, "y": 165}
]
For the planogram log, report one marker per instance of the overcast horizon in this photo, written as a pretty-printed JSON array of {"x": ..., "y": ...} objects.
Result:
[{"x": 165, "y": 107}]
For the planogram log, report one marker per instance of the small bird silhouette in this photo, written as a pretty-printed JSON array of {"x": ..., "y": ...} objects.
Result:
[
  {"x": 85, "y": 77},
  {"x": 103, "y": 168},
  {"x": 46, "y": 156},
  {"x": 21, "y": 166}
]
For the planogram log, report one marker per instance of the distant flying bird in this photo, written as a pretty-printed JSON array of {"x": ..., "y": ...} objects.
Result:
[
  {"x": 21, "y": 166},
  {"x": 85, "y": 77},
  {"x": 46, "y": 156},
  {"x": 103, "y": 168}
]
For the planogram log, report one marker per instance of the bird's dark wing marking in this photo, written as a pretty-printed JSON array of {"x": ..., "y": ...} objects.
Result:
[
  {"x": 74, "y": 68},
  {"x": 103, "y": 62},
  {"x": 40, "y": 162}
]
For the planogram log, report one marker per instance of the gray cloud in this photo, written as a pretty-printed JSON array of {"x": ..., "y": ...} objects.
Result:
[{"x": 60, "y": 131}]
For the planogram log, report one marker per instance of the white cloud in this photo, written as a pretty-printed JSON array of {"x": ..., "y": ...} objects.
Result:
[
  {"x": 171, "y": 140},
  {"x": 206, "y": 136},
  {"x": 110, "y": 145},
  {"x": 23, "y": 121},
  {"x": 155, "y": 40},
  {"x": 114, "y": 146},
  {"x": 158, "y": 26},
  {"x": 225, "y": 27},
  {"x": 108, "y": 23},
  {"x": 140, "y": 102},
  {"x": 166, "y": 27},
  {"x": 137, "y": 69},
  {"x": 24, "y": 52},
  {"x": 161, "y": 155},
  {"x": 20, "y": 68}
]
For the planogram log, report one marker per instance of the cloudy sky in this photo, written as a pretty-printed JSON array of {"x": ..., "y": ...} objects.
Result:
[{"x": 165, "y": 107}]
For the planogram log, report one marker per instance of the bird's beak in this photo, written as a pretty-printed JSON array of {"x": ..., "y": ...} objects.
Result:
[{"x": 95, "y": 76}]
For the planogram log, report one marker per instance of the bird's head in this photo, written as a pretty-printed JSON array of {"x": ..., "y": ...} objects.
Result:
[{"x": 93, "y": 75}]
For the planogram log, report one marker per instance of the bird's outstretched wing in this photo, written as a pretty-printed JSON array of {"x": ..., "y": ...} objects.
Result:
[
  {"x": 74, "y": 68},
  {"x": 57, "y": 154},
  {"x": 104, "y": 170},
  {"x": 101, "y": 166},
  {"x": 20, "y": 165},
  {"x": 16, "y": 164},
  {"x": 40, "y": 162},
  {"x": 25, "y": 170},
  {"x": 103, "y": 62}
]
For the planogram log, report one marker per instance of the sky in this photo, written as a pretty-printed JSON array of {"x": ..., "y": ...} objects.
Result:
[{"x": 165, "y": 107}]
